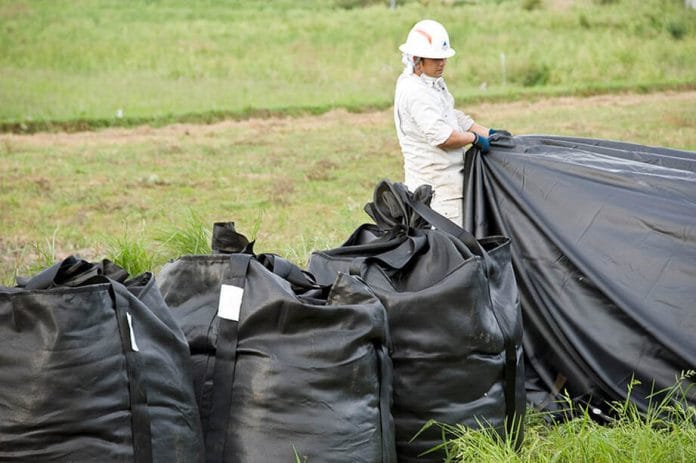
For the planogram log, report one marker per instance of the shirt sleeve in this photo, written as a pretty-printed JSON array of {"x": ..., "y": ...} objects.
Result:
[
  {"x": 429, "y": 119},
  {"x": 464, "y": 120}
]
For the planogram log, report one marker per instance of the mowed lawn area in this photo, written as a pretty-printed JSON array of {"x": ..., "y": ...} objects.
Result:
[
  {"x": 93, "y": 63},
  {"x": 293, "y": 183}
]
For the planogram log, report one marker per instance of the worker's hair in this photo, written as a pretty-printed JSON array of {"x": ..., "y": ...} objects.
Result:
[{"x": 410, "y": 62}]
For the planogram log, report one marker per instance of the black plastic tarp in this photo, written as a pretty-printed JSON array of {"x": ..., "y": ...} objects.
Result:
[{"x": 604, "y": 250}]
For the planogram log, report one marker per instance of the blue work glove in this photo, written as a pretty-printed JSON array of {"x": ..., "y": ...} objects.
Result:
[
  {"x": 500, "y": 131},
  {"x": 481, "y": 143}
]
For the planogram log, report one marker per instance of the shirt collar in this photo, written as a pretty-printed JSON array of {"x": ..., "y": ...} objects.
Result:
[{"x": 437, "y": 83}]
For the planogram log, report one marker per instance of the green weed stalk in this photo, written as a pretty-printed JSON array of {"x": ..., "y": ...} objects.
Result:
[{"x": 666, "y": 432}]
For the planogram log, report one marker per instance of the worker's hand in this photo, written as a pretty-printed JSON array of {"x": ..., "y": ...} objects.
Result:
[
  {"x": 500, "y": 131},
  {"x": 482, "y": 143}
]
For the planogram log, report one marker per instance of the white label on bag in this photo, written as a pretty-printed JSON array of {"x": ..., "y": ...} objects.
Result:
[
  {"x": 134, "y": 345},
  {"x": 230, "y": 302}
]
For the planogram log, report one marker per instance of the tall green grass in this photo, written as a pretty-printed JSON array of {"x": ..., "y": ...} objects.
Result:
[
  {"x": 90, "y": 63},
  {"x": 133, "y": 254},
  {"x": 193, "y": 237},
  {"x": 666, "y": 433},
  {"x": 137, "y": 253}
]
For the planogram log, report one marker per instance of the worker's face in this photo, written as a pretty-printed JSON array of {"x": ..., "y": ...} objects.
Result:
[{"x": 433, "y": 67}]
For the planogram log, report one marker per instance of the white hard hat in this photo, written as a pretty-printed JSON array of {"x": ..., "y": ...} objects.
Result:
[{"x": 428, "y": 39}]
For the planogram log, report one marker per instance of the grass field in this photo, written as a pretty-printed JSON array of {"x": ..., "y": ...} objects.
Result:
[
  {"x": 90, "y": 63},
  {"x": 294, "y": 184},
  {"x": 666, "y": 433},
  {"x": 128, "y": 128}
]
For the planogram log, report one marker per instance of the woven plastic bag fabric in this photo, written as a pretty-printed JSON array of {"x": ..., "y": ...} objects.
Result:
[
  {"x": 93, "y": 368},
  {"x": 284, "y": 368},
  {"x": 604, "y": 249},
  {"x": 453, "y": 314}
]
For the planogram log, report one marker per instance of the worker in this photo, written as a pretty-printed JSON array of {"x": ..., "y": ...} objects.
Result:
[{"x": 431, "y": 132}]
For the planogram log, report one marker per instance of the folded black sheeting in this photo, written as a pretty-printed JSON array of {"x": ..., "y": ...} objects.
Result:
[
  {"x": 304, "y": 372},
  {"x": 94, "y": 368},
  {"x": 604, "y": 250}
]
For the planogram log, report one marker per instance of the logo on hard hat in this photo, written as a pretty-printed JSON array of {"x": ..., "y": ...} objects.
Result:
[
  {"x": 444, "y": 45},
  {"x": 424, "y": 34}
]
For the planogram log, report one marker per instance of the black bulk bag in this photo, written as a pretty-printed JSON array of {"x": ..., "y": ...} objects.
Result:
[
  {"x": 453, "y": 316},
  {"x": 604, "y": 249},
  {"x": 283, "y": 367},
  {"x": 93, "y": 368}
]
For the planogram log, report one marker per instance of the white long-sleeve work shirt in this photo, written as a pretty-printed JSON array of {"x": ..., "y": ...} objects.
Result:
[{"x": 425, "y": 117}]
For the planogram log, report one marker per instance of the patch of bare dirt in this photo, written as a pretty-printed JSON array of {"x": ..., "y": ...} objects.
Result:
[{"x": 337, "y": 117}]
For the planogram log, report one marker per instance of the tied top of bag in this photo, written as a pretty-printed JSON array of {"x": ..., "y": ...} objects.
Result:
[
  {"x": 398, "y": 211},
  {"x": 73, "y": 272},
  {"x": 390, "y": 207},
  {"x": 227, "y": 240}
]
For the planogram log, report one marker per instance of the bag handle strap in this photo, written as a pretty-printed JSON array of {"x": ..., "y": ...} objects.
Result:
[
  {"x": 299, "y": 279},
  {"x": 441, "y": 222},
  {"x": 140, "y": 414},
  {"x": 73, "y": 271},
  {"x": 396, "y": 258},
  {"x": 386, "y": 374},
  {"x": 512, "y": 364},
  {"x": 229, "y": 314}
]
